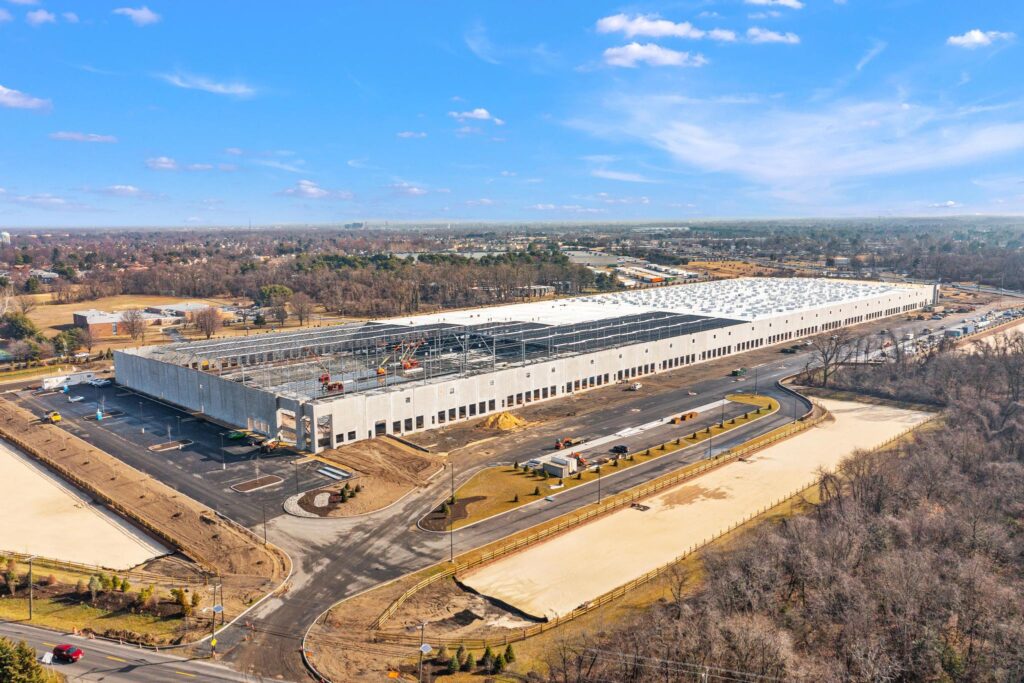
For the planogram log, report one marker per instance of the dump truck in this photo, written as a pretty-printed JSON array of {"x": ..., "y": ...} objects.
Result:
[
  {"x": 53, "y": 417},
  {"x": 568, "y": 442}
]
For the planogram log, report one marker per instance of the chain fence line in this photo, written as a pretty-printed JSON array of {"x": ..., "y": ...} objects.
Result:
[{"x": 138, "y": 575}]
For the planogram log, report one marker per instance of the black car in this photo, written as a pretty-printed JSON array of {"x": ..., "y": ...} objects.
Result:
[{"x": 621, "y": 449}]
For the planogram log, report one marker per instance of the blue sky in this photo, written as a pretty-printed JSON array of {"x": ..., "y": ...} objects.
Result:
[{"x": 224, "y": 112}]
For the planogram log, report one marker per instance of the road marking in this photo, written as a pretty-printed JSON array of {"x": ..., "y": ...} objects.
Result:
[
  {"x": 49, "y": 644},
  {"x": 116, "y": 659},
  {"x": 183, "y": 673}
]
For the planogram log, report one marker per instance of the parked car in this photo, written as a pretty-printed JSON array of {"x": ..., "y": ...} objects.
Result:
[
  {"x": 67, "y": 653},
  {"x": 101, "y": 382},
  {"x": 620, "y": 449}
]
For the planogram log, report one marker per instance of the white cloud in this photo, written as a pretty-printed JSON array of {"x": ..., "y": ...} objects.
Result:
[
  {"x": 763, "y": 35},
  {"x": 770, "y": 14},
  {"x": 792, "y": 4},
  {"x": 483, "y": 201},
  {"x": 5, "y": 16},
  {"x": 409, "y": 134},
  {"x": 74, "y": 136},
  {"x": 799, "y": 153},
  {"x": 870, "y": 55},
  {"x": 408, "y": 189},
  {"x": 234, "y": 151},
  {"x": 478, "y": 114},
  {"x": 122, "y": 191},
  {"x": 976, "y": 38},
  {"x": 468, "y": 130},
  {"x": 193, "y": 82},
  {"x": 629, "y": 56},
  {"x": 479, "y": 44},
  {"x": 611, "y": 199},
  {"x": 508, "y": 174},
  {"x": 307, "y": 189},
  {"x": 653, "y": 26},
  {"x": 23, "y": 2},
  {"x": 227, "y": 168},
  {"x": 140, "y": 16},
  {"x": 568, "y": 208},
  {"x": 281, "y": 166},
  {"x": 162, "y": 164},
  {"x": 199, "y": 167},
  {"x": 619, "y": 175},
  {"x": 946, "y": 205},
  {"x": 70, "y": 17},
  {"x": 39, "y": 17},
  {"x": 15, "y": 99}
]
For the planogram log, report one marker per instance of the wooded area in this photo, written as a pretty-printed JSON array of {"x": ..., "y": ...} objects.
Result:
[{"x": 911, "y": 568}]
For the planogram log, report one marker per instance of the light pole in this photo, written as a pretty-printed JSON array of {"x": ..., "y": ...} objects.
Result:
[
  {"x": 451, "y": 519},
  {"x": 423, "y": 625},
  {"x": 598, "y": 484},
  {"x": 179, "y": 425},
  {"x": 223, "y": 456}
]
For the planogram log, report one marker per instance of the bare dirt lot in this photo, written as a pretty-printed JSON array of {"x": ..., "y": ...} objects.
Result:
[
  {"x": 45, "y": 516},
  {"x": 556, "y": 576},
  {"x": 249, "y": 568}
]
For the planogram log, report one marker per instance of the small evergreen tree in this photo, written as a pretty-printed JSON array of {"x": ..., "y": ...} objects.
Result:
[
  {"x": 94, "y": 587},
  {"x": 470, "y": 662},
  {"x": 536, "y": 490},
  {"x": 516, "y": 498},
  {"x": 510, "y": 654},
  {"x": 453, "y": 666},
  {"x": 125, "y": 585},
  {"x": 443, "y": 655},
  {"x": 487, "y": 661},
  {"x": 460, "y": 654},
  {"x": 499, "y": 664}
]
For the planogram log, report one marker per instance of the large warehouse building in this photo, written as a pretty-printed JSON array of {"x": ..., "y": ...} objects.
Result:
[{"x": 333, "y": 385}]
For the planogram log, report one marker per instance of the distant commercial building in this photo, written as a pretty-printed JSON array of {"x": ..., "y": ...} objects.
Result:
[
  {"x": 332, "y": 385},
  {"x": 102, "y": 324},
  {"x": 5, "y": 239}
]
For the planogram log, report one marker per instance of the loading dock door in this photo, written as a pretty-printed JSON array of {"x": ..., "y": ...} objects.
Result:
[{"x": 381, "y": 428}]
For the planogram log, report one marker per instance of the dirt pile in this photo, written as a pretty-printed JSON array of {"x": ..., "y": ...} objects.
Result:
[{"x": 503, "y": 422}]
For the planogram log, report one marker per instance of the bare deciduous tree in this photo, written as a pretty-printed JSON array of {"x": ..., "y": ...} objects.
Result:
[
  {"x": 302, "y": 306},
  {"x": 26, "y": 304},
  {"x": 208, "y": 320},
  {"x": 134, "y": 323},
  {"x": 831, "y": 350}
]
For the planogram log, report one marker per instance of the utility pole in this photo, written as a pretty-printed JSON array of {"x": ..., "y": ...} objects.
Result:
[
  {"x": 30, "y": 586},
  {"x": 223, "y": 457},
  {"x": 263, "y": 507},
  {"x": 598, "y": 484}
]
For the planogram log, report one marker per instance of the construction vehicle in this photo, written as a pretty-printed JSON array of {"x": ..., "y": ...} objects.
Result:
[
  {"x": 635, "y": 386},
  {"x": 580, "y": 460},
  {"x": 53, "y": 417},
  {"x": 568, "y": 441},
  {"x": 739, "y": 372}
]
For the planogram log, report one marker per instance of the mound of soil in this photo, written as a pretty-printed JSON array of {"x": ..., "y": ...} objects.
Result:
[
  {"x": 439, "y": 521},
  {"x": 503, "y": 422}
]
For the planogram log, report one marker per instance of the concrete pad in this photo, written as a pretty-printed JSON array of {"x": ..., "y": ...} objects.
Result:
[
  {"x": 46, "y": 516},
  {"x": 553, "y": 578}
]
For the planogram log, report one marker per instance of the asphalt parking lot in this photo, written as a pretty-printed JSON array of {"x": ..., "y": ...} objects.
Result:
[{"x": 205, "y": 469}]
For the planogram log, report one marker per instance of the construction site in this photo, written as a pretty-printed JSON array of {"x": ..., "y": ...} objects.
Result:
[{"x": 321, "y": 388}]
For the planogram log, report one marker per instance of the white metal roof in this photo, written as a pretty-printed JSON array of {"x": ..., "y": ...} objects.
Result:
[{"x": 740, "y": 299}]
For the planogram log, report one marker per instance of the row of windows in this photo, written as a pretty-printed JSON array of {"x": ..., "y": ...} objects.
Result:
[{"x": 678, "y": 362}]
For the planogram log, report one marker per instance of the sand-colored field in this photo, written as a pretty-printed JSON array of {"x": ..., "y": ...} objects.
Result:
[
  {"x": 45, "y": 516},
  {"x": 554, "y": 577}
]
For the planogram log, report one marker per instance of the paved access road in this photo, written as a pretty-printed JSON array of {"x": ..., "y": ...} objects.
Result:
[{"x": 112, "y": 663}]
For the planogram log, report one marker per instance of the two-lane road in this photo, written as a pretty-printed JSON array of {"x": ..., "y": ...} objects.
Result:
[{"x": 113, "y": 663}]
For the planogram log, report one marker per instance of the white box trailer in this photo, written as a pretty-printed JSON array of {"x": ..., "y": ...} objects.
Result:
[{"x": 68, "y": 380}]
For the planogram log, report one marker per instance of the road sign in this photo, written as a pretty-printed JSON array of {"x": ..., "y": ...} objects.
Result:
[
  {"x": 425, "y": 649},
  {"x": 217, "y": 609},
  {"x": 99, "y": 415},
  {"x": 213, "y": 643}
]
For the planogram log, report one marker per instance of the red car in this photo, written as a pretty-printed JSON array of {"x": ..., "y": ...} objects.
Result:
[{"x": 67, "y": 653}]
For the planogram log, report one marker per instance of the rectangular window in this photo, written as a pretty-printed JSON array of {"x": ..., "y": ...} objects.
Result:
[
  {"x": 490, "y": 404},
  {"x": 351, "y": 436},
  {"x": 408, "y": 424},
  {"x": 440, "y": 416},
  {"x": 396, "y": 426},
  {"x": 419, "y": 422}
]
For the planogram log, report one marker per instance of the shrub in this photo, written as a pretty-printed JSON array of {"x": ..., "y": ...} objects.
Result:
[
  {"x": 470, "y": 663},
  {"x": 536, "y": 490},
  {"x": 358, "y": 488},
  {"x": 460, "y": 654},
  {"x": 515, "y": 499},
  {"x": 499, "y": 664},
  {"x": 125, "y": 585},
  {"x": 453, "y": 666},
  {"x": 80, "y": 586},
  {"x": 443, "y": 656}
]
